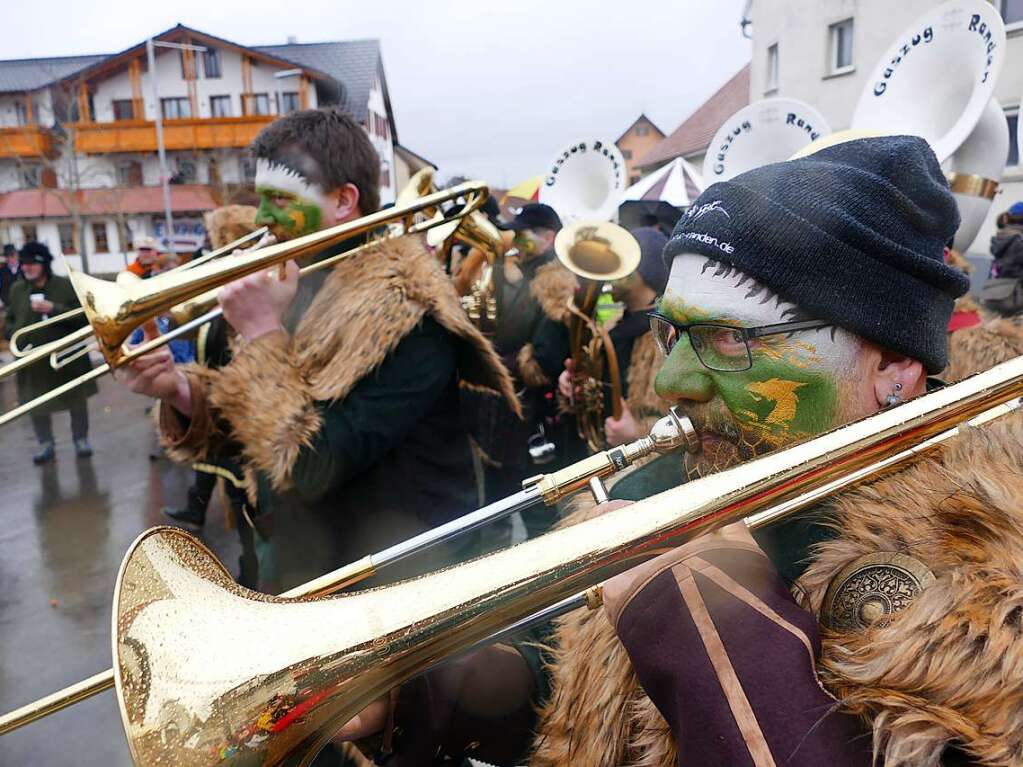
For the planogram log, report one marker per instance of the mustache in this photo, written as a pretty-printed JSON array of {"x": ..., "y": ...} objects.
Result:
[{"x": 711, "y": 418}]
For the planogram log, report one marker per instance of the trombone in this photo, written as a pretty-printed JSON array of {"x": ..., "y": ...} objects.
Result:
[
  {"x": 123, "y": 278},
  {"x": 114, "y": 311}
]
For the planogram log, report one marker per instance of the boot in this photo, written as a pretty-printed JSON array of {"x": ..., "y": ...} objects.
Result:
[
  {"x": 45, "y": 455},
  {"x": 82, "y": 448}
]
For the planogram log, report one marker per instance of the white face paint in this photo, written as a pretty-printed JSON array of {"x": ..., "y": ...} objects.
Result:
[
  {"x": 276, "y": 177},
  {"x": 702, "y": 290}
]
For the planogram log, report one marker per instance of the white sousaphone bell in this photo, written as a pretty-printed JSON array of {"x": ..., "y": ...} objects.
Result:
[
  {"x": 766, "y": 131},
  {"x": 585, "y": 181},
  {"x": 937, "y": 81}
]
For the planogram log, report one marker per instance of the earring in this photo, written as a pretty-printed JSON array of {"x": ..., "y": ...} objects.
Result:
[{"x": 893, "y": 398}]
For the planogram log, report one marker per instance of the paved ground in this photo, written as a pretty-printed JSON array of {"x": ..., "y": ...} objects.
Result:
[{"x": 63, "y": 531}]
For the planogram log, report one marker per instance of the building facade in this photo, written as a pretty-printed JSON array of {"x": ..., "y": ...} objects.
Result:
[
  {"x": 822, "y": 52},
  {"x": 638, "y": 139},
  {"x": 79, "y": 168}
]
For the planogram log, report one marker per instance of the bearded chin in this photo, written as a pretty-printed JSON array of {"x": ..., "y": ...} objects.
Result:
[{"x": 724, "y": 443}]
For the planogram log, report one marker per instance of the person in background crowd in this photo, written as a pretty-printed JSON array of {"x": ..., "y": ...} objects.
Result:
[
  {"x": 42, "y": 294},
  {"x": 1007, "y": 244},
  {"x": 634, "y": 346},
  {"x": 146, "y": 253},
  {"x": 532, "y": 338},
  {"x": 10, "y": 271}
]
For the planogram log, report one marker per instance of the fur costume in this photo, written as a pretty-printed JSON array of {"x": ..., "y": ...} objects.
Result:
[
  {"x": 267, "y": 396},
  {"x": 553, "y": 287},
  {"x": 972, "y": 350},
  {"x": 643, "y": 402},
  {"x": 949, "y": 668},
  {"x": 229, "y": 223}
]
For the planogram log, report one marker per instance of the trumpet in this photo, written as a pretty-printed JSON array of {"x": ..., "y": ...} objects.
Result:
[{"x": 115, "y": 311}]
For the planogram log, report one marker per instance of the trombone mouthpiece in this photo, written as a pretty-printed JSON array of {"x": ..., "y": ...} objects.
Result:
[{"x": 674, "y": 431}]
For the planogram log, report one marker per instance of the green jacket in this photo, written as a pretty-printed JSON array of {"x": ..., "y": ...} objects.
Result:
[{"x": 40, "y": 378}]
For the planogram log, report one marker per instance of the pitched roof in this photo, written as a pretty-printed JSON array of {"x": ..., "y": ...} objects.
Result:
[
  {"x": 353, "y": 62},
  {"x": 695, "y": 133},
  {"x": 632, "y": 125},
  {"x": 55, "y": 203},
  {"x": 31, "y": 74}
]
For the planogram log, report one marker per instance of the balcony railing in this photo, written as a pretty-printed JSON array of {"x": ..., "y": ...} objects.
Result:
[
  {"x": 25, "y": 141},
  {"x": 178, "y": 135}
]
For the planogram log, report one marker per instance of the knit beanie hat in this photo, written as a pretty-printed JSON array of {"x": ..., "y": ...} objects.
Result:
[
  {"x": 35, "y": 253},
  {"x": 854, "y": 234},
  {"x": 652, "y": 267}
]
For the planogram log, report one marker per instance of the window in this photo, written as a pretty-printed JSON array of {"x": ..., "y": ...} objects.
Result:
[
  {"x": 176, "y": 108},
  {"x": 220, "y": 106},
  {"x": 248, "y": 169},
  {"x": 385, "y": 173},
  {"x": 129, "y": 173},
  {"x": 627, "y": 154},
  {"x": 642, "y": 130},
  {"x": 771, "y": 82},
  {"x": 255, "y": 104},
  {"x": 124, "y": 109},
  {"x": 67, "y": 238},
  {"x": 24, "y": 116},
  {"x": 1013, "y": 121},
  {"x": 99, "y": 234},
  {"x": 211, "y": 63},
  {"x": 28, "y": 233},
  {"x": 188, "y": 172},
  {"x": 1012, "y": 11},
  {"x": 31, "y": 176},
  {"x": 840, "y": 47},
  {"x": 289, "y": 102}
]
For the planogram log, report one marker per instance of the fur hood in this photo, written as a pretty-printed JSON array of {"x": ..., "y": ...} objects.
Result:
[
  {"x": 972, "y": 350},
  {"x": 948, "y": 669},
  {"x": 267, "y": 395}
]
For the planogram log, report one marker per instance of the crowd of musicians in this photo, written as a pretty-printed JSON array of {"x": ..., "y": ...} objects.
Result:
[{"x": 352, "y": 409}]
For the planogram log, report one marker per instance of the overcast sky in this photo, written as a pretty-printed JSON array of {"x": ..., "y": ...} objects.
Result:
[{"x": 488, "y": 89}]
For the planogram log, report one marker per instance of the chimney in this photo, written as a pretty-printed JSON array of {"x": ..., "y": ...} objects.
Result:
[{"x": 292, "y": 39}]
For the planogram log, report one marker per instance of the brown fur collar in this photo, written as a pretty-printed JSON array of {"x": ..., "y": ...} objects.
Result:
[
  {"x": 950, "y": 668},
  {"x": 367, "y": 305},
  {"x": 553, "y": 286},
  {"x": 646, "y": 361},
  {"x": 972, "y": 350},
  {"x": 229, "y": 223}
]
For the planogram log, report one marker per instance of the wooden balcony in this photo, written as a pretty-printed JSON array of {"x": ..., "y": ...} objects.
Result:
[
  {"x": 178, "y": 135},
  {"x": 25, "y": 141}
]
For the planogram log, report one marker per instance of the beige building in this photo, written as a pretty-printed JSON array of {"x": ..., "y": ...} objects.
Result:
[{"x": 638, "y": 139}]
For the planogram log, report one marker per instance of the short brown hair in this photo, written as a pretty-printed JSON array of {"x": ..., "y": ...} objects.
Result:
[{"x": 338, "y": 144}]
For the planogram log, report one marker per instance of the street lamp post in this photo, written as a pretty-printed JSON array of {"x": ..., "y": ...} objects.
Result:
[{"x": 160, "y": 150}]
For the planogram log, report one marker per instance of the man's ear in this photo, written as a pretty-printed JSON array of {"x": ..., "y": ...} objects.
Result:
[
  {"x": 345, "y": 200},
  {"x": 899, "y": 375}
]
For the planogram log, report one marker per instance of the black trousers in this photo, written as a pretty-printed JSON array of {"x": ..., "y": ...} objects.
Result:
[{"x": 42, "y": 423}]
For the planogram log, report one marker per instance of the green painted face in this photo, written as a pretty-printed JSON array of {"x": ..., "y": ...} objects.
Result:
[
  {"x": 287, "y": 215},
  {"x": 289, "y": 203},
  {"x": 792, "y": 391}
]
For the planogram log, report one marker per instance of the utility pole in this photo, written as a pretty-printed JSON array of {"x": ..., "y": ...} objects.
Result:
[{"x": 160, "y": 150}]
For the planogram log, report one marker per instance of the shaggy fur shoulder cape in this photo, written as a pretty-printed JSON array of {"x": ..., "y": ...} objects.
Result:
[
  {"x": 266, "y": 396},
  {"x": 553, "y": 287},
  {"x": 948, "y": 670}
]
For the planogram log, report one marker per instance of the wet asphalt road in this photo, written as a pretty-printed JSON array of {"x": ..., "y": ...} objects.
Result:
[{"x": 63, "y": 531}]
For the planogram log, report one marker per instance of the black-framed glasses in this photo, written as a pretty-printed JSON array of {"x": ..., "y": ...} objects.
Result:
[{"x": 721, "y": 347}]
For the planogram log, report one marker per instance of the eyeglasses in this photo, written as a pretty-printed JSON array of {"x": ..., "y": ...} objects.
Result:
[{"x": 724, "y": 348}]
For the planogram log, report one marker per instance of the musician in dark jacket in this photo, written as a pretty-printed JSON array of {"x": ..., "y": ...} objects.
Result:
[
  {"x": 339, "y": 393},
  {"x": 42, "y": 294},
  {"x": 1007, "y": 244},
  {"x": 10, "y": 272},
  {"x": 785, "y": 315}
]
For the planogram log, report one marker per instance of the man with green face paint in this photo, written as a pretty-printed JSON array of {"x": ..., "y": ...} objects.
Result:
[
  {"x": 334, "y": 400},
  {"x": 801, "y": 296}
]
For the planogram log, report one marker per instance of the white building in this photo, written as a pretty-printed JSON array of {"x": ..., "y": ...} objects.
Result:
[
  {"x": 78, "y": 160},
  {"x": 823, "y": 51}
]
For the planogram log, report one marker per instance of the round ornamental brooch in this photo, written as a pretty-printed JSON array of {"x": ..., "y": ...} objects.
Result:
[{"x": 871, "y": 589}]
